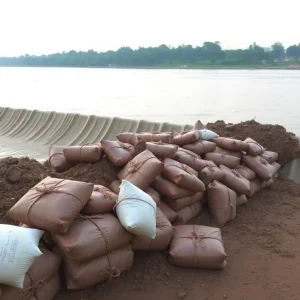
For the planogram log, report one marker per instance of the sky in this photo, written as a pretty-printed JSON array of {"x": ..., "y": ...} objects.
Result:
[{"x": 50, "y": 26}]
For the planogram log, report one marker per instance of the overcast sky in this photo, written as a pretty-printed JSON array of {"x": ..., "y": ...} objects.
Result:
[{"x": 43, "y": 27}]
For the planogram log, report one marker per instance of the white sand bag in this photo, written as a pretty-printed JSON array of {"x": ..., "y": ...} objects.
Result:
[
  {"x": 207, "y": 135},
  {"x": 18, "y": 250},
  {"x": 136, "y": 210}
]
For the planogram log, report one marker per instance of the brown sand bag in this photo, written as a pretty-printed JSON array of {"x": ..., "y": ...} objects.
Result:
[
  {"x": 201, "y": 147},
  {"x": 83, "y": 154},
  {"x": 190, "y": 158},
  {"x": 186, "y": 214},
  {"x": 141, "y": 170},
  {"x": 234, "y": 180},
  {"x": 118, "y": 153},
  {"x": 230, "y": 144},
  {"x": 162, "y": 150},
  {"x": 153, "y": 194},
  {"x": 115, "y": 186},
  {"x": 80, "y": 275},
  {"x": 168, "y": 211},
  {"x": 52, "y": 204},
  {"x": 91, "y": 237},
  {"x": 164, "y": 232},
  {"x": 168, "y": 188},
  {"x": 42, "y": 281},
  {"x": 221, "y": 202},
  {"x": 241, "y": 200},
  {"x": 102, "y": 201},
  {"x": 187, "y": 137},
  {"x": 211, "y": 173},
  {"x": 254, "y": 147},
  {"x": 164, "y": 137},
  {"x": 183, "y": 202},
  {"x": 246, "y": 172},
  {"x": 270, "y": 156},
  {"x": 227, "y": 152},
  {"x": 57, "y": 160},
  {"x": 176, "y": 172},
  {"x": 197, "y": 246},
  {"x": 222, "y": 159},
  {"x": 128, "y": 137},
  {"x": 198, "y": 125},
  {"x": 277, "y": 167},
  {"x": 255, "y": 187},
  {"x": 260, "y": 166}
]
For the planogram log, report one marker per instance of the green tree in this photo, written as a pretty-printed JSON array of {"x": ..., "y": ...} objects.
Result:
[
  {"x": 293, "y": 51},
  {"x": 278, "y": 50}
]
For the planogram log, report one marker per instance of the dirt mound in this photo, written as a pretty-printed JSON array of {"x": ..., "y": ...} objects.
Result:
[
  {"x": 102, "y": 172},
  {"x": 273, "y": 137},
  {"x": 17, "y": 176}
]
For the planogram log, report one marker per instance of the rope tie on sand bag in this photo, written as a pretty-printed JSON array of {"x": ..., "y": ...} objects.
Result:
[
  {"x": 113, "y": 272},
  {"x": 87, "y": 144},
  {"x": 104, "y": 190},
  {"x": 236, "y": 173},
  {"x": 135, "y": 198},
  {"x": 263, "y": 161},
  {"x": 230, "y": 206},
  {"x": 34, "y": 288},
  {"x": 134, "y": 167},
  {"x": 43, "y": 189}
]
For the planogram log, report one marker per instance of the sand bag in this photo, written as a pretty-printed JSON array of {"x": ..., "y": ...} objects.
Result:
[
  {"x": 187, "y": 137},
  {"x": 115, "y": 186},
  {"x": 241, "y": 200},
  {"x": 57, "y": 160},
  {"x": 164, "y": 137},
  {"x": 227, "y": 152},
  {"x": 168, "y": 211},
  {"x": 118, "y": 153},
  {"x": 153, "y": 194},
  {"x": 162, "y": 150},
  {"x": 197, "y": 246},
  {"x": 230, "y": 144},
  {"x": 254, "y": 148},
  {"x": 19, "y": 249},
  {"x": 136, "y": 210},
  {"x": 221, "y": 202},
  {"x": 52, "y": 204},
  {"x": 169, "y": 189},
  {"x": 267, "y": 184},
  {"x": 255, "y": 187},
  {"x": 176, "y": 172},
  {"x": 211, "y": 173},
  {"x": 178, "y": 204},
  {"x": 201, "y": 147},
  {"x": 80, "y": 275},
  {"x": 142, "y": 170},
  {"x": 83, "y": 154},
  {"x": 186, "y": 214},
  {"x": 270, "y": 156},
  {"x": 234, "y": 180},
  {"x": 190, "y": 158},
  {"x": 246, "y": 172},
  {"x": 92, "y": 236},
  {"x": 207, "y": 135},
  {"x": 102, "y": 201},
  {"x": 260, "y": 166},
  {"x": 164, "y": 231},
  {"x": 276, "y": 166},
  {"x": 199, "y": 126},
  {"x": 128, "y": 137},
  {"x": 37, "y": 279},
  {"x": 222, "y": 159}
]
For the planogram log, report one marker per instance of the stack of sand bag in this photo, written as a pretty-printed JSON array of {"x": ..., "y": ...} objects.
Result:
[{"x": 163, "y": 178}]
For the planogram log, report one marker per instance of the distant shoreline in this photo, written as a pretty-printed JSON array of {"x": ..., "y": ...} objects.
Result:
[{"x": 168, "y": 68}]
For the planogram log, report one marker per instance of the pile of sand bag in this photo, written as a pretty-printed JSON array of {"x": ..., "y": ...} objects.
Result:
[{"x": 164, "y": 181}]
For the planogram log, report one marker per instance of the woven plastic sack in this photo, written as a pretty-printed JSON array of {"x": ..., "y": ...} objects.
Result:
[
  {"x": 136, "y": 210},
  {"x": 19, "y": 249},
  {"x": 207, "y": 135}
]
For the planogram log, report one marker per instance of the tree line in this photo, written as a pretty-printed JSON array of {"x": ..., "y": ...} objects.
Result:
[{"x": 209, "y": 54}]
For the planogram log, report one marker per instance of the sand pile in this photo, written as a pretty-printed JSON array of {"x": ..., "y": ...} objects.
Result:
[{"x": 273, "y": 137}]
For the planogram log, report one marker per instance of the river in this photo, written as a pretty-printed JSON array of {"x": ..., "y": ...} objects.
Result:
[{"x": 178, "y": 96}]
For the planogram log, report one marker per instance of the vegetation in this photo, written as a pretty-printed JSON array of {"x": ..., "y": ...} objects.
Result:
[{"x": 210, "y": 54}]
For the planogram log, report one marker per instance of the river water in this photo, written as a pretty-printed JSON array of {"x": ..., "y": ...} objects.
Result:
[{"x": 178, "y": 96}]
